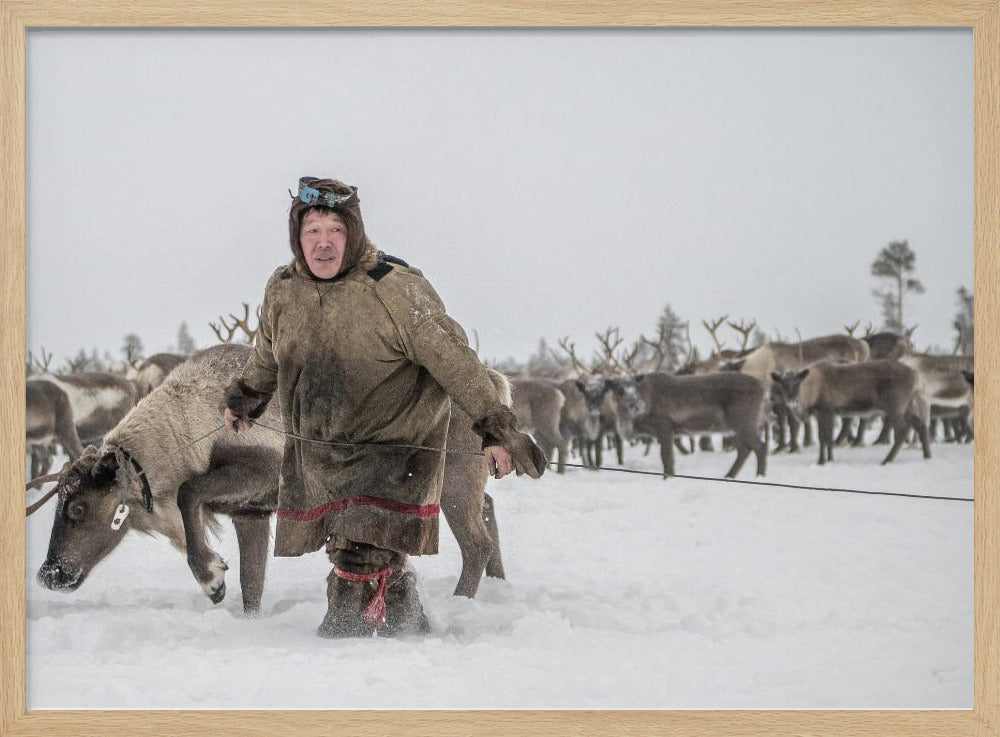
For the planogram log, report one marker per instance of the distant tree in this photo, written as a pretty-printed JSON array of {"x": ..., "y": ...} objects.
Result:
[
  {"x": 132, "y": 348},
  {"x": 185, "y": 343},
  {"x": 895, "y": 262},
  {"x": 543, "y": 362},
  {"x": 964, "y": 338},
  {"x": 671, "y": 332}
]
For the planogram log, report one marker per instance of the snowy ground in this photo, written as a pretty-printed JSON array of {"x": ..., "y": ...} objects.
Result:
[{"x": 622, "y": 591}]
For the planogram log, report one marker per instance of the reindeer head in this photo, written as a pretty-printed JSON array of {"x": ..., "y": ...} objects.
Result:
[
  {"x": 90, "y": 490},
  {"x": 788, "y": 384}
]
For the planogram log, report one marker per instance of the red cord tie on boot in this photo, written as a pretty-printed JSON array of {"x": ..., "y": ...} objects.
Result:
[{"x": 374, "y": 613}]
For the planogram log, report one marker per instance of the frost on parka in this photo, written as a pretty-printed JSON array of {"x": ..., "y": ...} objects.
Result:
[{"x": 368, "y": 357}]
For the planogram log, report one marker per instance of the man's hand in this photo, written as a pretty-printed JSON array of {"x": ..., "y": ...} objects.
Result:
[
  {"x": 236, "y": 423},
  {"x": 498, "y": 460}
]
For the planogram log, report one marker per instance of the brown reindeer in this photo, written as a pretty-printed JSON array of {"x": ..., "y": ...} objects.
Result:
[
  {"x": 725, "y": 402},
  {"x": 235, "y": 475},
  {"x": 581, "y": 414},
  {"x": 538, "y": 406},
  {"x": 888, "y": 388}
]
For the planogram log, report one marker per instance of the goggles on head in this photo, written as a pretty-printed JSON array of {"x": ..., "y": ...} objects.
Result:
[{"x": 312, "y": 196}]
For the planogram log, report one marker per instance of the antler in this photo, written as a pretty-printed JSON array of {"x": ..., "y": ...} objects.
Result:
[
  {"x": 744, "y": 330},
  {"x": 851, "y": 328},
  {"x": 657, "y": 346},
  {"x": 39, "y": 482},
  {"x": 239, "y": 323},
  {"x": 570, "y": 349},
  {"x": 628, "y": 358},
  {"x": 869, "y": 330},
  {"x": 606, "y": 360},
  {"x": 42, "y": 365},
  {"x": 711, "y": 328}
]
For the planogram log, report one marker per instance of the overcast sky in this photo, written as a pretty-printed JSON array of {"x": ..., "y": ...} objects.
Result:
[{"x": 547, "y": 183}]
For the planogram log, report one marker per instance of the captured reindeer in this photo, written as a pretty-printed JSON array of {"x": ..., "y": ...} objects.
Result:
[
  {"x": 237, "y": 475},
  {"x": 889, "y": 388}
]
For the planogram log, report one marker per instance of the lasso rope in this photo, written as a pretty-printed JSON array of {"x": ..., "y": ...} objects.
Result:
[{"x": 775, "y": 484}]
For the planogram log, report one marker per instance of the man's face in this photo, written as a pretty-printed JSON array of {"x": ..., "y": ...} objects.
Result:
[{"x": 323, "y": 237}]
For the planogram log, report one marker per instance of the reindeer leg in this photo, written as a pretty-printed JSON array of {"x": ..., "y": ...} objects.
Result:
[
  {"x": 208, "y": 568},
  {"x": 859, "y": 437},
  {"x": 899, "y": 426},
  {"x": 619, "y": 449},
  {"x": 253, "y": 531},
  {"x": 599, "y": 451},
  {"x": 781, "y": 426},
  {"x": 807, "y": 433},
  {"x": 917, "y": 423},
  {"x": 824, "y": 421},
  {"x": 844, "y": 437},
  {"x": 761, "y": 452},
  {"x": 242, "y": 476},
  {"x": 793, "y": 432},
  {"x": 494, "y": 567},
  {"x": 666, "y": 439},
  {"x": 742, "y": 452},
  {"x": 883, "y": 437},
  {"x": 462, "y": 495}
]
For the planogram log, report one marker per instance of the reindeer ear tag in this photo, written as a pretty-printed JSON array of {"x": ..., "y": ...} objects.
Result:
[{"x": 120, "y": 514}]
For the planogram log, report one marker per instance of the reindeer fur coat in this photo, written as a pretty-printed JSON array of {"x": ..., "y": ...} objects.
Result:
[{"x": 367, "y": 360}]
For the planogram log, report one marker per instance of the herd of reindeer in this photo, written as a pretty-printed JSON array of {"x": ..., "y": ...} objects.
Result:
[
  {"x": 151, "y": 437},
  {"x": 748, "y": 395}
]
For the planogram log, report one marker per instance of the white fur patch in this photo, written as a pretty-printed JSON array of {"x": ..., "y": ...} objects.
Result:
[
  {"x": 86, "y": 401},
  {"x": 218, "y": 569}
]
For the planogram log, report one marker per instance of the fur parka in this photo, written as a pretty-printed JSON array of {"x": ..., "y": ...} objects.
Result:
[{"x": 360, "y": 363}]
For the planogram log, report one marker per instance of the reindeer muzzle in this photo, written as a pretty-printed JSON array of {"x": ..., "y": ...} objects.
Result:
[{"x": 57, "y": 576}]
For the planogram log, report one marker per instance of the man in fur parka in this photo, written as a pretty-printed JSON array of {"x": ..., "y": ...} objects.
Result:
[{"x": 363, "y": 359}]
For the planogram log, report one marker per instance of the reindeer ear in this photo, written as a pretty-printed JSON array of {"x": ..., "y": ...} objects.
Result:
[
  {"x": 803, "y": 373},
  {"x": 580, "y": 385},
  {"x": 775, "y": 376},
  {"x": 106, "y": 467}
]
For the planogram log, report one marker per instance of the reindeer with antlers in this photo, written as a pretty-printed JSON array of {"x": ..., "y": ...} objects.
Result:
[
  {"x": 668, "y": 405},
  {"x": 238, "y": 323}
]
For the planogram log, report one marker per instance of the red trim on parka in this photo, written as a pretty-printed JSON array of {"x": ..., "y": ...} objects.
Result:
[{"x": 305, "y": 515}]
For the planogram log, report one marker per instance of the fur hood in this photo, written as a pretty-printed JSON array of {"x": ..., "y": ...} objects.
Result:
[{"x": 360, "y": 252}]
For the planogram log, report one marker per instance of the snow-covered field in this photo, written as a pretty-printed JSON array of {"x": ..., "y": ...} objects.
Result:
[{"x": 622, "y": 591}]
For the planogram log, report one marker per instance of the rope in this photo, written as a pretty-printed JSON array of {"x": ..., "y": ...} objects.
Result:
[
  {"x": 374, "y": 613},
  {"x": 839, "y": 489},
  {"x": 775, "y": 483},
  {"x": 646, "y": 473}
]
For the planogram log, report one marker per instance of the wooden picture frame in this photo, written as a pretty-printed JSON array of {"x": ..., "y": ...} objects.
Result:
[{"x": 17, "y": 16}]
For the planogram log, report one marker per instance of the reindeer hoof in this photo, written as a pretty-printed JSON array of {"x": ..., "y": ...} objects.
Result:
[{"x": 218, "y": 594}]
